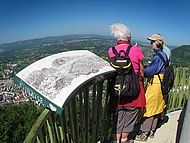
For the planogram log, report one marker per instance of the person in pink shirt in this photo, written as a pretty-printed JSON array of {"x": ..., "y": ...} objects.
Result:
[{"x": 127, "y": 111}]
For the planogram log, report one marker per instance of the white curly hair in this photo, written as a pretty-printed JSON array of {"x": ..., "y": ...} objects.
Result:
[{"x": 120, "y": 31}]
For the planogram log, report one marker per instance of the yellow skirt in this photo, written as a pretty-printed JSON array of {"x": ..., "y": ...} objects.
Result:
[{"x": 155, "y": 103}]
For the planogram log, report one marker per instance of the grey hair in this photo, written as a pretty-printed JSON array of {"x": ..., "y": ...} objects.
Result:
[{"x": 120, "y": 31}]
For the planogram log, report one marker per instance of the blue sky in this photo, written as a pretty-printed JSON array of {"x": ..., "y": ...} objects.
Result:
[{"x": 30, "y": 19}]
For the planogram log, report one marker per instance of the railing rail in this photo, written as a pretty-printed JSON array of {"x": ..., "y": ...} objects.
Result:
[
  {"x": 181, "y": 89},
  {"x": 86, "y": 118}
]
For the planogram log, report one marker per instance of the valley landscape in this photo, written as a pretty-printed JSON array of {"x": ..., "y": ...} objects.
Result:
[{"x": 17, "y": 55}]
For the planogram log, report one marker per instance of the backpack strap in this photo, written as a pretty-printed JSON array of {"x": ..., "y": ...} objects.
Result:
[
  {"x": 128, "y": 49},
  {"x": 166, "y": 62},
  {"x": 127, "y": 53},
  {"x": 115, "y": 52},
  {"x": 118, "y": 54}
]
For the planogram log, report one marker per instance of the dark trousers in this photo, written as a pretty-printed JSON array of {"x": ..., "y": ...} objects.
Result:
[{"x": 149, "y": 123}]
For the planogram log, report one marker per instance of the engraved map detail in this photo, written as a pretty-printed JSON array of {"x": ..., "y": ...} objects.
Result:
[{"x": 62, "y": 71}]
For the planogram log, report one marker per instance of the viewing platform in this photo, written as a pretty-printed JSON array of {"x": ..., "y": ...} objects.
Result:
[
  {"x": 169, "y": 131},
  {"x": 79, "y": 112}
]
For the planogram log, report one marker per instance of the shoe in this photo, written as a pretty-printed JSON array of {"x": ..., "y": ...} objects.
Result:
[
  {"x": 138, "y": 137},
  {"x": 160, "y": 122},
  {"x": 130, "y": 141},
  {"x": 151, "y": 135},
  {"x": 141, "y": 137}
]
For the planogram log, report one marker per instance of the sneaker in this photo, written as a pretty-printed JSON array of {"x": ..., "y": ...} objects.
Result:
[
  {"x": 138, "y": 136},
  {"x": 151, "y": 135},
  {"x": 160, "y": 122},
  {"x": 130, "y": 141},
  {"x": 141, "y": 137}
]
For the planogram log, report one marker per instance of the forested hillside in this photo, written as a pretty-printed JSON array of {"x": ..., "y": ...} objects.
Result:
[
  {"x": 181, "y": 55},
  {"x": 16, "y": 121}
]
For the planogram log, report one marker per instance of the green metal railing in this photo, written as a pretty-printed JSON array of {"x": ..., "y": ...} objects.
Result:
[
  {"x": 86, "y": 118},
  {"x": 181, "y": 89}
]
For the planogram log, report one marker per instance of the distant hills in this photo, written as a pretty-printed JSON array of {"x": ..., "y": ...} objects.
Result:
[
  {"x": 180, "y": 55},
  {"x": 49, "y": 41}
]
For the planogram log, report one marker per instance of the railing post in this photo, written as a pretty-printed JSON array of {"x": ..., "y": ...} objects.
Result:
[{"x": 185, "y": 133}]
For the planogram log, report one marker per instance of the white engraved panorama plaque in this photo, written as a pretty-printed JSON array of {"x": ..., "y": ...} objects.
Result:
[{"x": 52, "y": 79}]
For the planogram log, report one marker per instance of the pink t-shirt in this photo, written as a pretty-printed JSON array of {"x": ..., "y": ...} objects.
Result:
[{"x": 135, "y": 54}]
